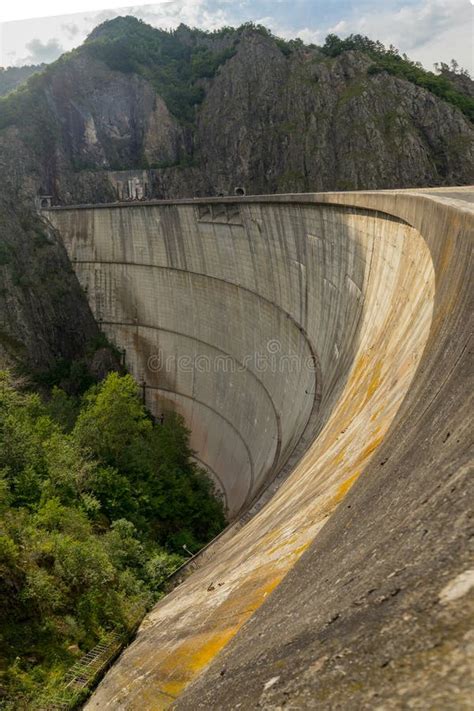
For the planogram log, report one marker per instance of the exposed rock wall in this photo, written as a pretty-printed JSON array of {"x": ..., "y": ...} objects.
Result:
[
  {"x": 277, "y": 124},
  {"x": 270, "y": 121},
  {"x": 44, "y": 315}
]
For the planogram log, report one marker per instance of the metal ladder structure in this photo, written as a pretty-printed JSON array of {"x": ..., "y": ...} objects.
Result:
[{"x": 83, "y": 673}]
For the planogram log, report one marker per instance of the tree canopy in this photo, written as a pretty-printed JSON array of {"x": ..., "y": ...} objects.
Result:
[{"x": 94, "y": 510}]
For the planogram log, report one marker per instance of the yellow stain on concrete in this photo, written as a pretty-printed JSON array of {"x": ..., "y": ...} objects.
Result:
[
  {"x": 375, "y": 379},
  {"x": 189, "y": 657},
  {"x": 179, "y": 664},
  {"x": 370, "y": 449},
  {"x": 345, "y": 486}
]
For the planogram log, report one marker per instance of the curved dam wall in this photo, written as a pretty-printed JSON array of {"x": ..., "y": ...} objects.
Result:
[
  {"x": 294, "y": 334},
  {"x": 247, "y": 318}
]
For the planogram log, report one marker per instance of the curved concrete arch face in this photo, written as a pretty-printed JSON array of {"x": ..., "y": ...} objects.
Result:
[
  {"x": 287, "y": 331},
  {"x": 243, "y": 327}
]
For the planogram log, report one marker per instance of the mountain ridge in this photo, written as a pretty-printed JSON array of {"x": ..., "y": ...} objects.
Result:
[
  {"x": 209, "y": 111},
  {"x": 196, "y": 114}
]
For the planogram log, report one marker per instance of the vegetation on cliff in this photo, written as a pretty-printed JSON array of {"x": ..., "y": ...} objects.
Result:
[
  {"x": 390, "y": 60},
  {"x": 96, "y": 502},
  {"x": 238, "y": 106},
  {"x": 11, "y": 77},
  {"x": 175, "y": 61},
  {"x": 172, "y": 61}
]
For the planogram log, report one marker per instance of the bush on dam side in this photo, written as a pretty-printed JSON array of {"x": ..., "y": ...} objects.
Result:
[{"x": 96, "y": 502}]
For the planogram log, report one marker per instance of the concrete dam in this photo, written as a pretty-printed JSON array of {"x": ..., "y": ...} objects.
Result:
[{"x": 318, "y": 347}]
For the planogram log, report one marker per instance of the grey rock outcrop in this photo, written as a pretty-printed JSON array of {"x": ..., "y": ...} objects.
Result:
[
  {"x": 44, "y": 315},
  {"x": 270, "y": 120},
  {"x": 308, "y": 122}
]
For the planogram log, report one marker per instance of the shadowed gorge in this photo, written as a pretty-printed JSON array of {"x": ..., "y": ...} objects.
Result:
[{"x": 297, "y": 335}]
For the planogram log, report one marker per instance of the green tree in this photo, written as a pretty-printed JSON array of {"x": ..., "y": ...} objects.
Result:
[
  {"x": 114, "y": 425},
  {"x": 84, "y": 518},
  {"x": 148, "y": 476}
]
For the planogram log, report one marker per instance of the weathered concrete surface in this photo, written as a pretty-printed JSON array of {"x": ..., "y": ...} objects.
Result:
[{"x": 370, "y": 292}]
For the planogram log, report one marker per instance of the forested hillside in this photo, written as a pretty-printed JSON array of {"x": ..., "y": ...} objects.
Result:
[
  {"x": 208, "y": 111},
  {"x": 12, "y": 77},
  {"x": 96, "y": 502}
]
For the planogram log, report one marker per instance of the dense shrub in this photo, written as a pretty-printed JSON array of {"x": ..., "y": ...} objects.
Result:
[
  {"x": 93, "y": 514},
  {"x": 12, "y": 77},
  {"x": 172, "y": 61}
]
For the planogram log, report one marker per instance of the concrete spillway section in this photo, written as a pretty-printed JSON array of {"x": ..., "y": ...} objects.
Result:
[{"x": 310, "y": 342}]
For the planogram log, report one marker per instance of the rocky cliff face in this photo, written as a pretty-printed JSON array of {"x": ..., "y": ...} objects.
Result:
[
  {"x": 202, "y": 114},
  {"x": 267, "y": 118},
  {"x": 110, "y": 119},
  {"x": 277, "y": 124},
  {"x": 44, "y": 315}
]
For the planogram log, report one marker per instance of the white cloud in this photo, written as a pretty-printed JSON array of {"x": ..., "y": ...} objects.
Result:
[
  {"x": 340, "y": 28},
  {"x": 411, "y": 26},
  {"x": 70, "y": 29},
  {"x": 455, "y": 42},
  {"x": 27, "y": 9},
  {"x": 308, "y": 35},
  {"x": 195, "y": 13},
  {"x": 427, "y": 30},
  {"x": 40, "y": 52}
]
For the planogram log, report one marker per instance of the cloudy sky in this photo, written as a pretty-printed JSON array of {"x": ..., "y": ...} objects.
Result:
[{"x": 427, "y": 30}]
